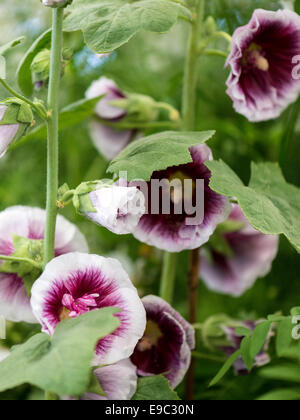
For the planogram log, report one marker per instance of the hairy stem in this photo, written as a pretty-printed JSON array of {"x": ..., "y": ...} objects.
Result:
[
  {"x": 189, "y": 116},
  {"x": 52, "y": 127}
]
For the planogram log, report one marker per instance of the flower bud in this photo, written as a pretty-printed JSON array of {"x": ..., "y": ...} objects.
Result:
[
  {"x": 40, "y": 68},
  {"x": 15, "y": 117},
  {"x": 139, "y": 108},
  {"x": 210, "y": 26},
  {"x": 56, "y": 3},
  {"x": 117, "y": 208}
]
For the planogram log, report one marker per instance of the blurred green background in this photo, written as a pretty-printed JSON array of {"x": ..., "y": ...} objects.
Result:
[{"x": 153, "y": 65}]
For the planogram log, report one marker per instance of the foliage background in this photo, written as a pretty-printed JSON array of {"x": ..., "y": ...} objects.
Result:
[{"x": 153, "y": 65}]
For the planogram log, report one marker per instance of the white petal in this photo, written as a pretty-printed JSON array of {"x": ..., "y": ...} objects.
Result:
[{"x": 118, "y": 381}]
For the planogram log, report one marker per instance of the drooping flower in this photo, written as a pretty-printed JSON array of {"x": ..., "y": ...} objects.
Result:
[
  {"x": 247, "y": 256},
  {"x": 235, "y": 341},
  {"x": 175, "y": 230},
  {"x": 166, "y": 345},
  {"x": 76, "y": 283},
  {"x": 13, "y": 122},
  {"x": 28, "y": 222},
  {"x": 116, "y": 207},
  {"x": 261, "y": 84},
  {"x": 108, "y": 141},
  {"x": 118, "y": 382}
]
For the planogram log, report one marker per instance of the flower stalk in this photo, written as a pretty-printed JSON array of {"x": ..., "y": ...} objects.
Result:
[
  {"x": 168, "y": 277},
  {"x": 189, "y": 115},
  {"x": 52, "y": 126}
]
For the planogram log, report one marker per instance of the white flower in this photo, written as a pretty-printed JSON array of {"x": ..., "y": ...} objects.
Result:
[
  {"x": 119, "y": 209},
  {"x": 76, "y": 283}
]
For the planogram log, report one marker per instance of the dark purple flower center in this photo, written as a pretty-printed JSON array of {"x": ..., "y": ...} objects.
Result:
[
  {"x": 267, "y": 59},
  {"x": 158, "y": 352},
  {"x": 151, "y": 337}
]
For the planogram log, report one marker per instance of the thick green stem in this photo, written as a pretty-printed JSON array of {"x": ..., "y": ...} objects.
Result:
[
  {"x": 52, "y": 146},
  {"x": 190, "y": 73},
  {"x": 168, "y": 277},
  {"x": 189, "y": 117}
]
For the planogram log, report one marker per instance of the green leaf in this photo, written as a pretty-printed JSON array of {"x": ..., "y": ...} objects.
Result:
[
  {"x": 155, "y": 388},
  {"x": 259, "y": 338},
  {"x": 157, "y": 152},
  {"x": 287, "y": 372},
  {"x": 284, "y": 336},
  {"x": 246, "y": 353},
  {"x": 5, "y": 48},
  {"x": 107, "y": 25},
  {"x": 245, "y": 332},
  {"x": 24, "y": 75},
  {"x": 230, "y": 362},
  {"x": 271, "y": 205},
  {"x": 62, "y": 364},
  {"x": 281, "y": 395},
  {"x": 69, "y": 116}
]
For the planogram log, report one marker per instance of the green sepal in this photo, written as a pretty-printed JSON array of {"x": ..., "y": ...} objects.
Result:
[
  {"x": 32, "y": 250},
  {"x": 81, "y": 198},
  {"x": 139, "y": 108},
  {"x": 18, "y": 112},
  {"x": 40, "y": 66}
]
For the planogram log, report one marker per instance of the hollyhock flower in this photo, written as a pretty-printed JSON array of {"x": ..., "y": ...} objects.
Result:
[
  {"x": 11, "y": 126},
  {"x": 167, "y": 343},
  {"x": 108, "y": 141},
  {"x": 28, "y": 222},
  {"x": 118, "y": 382},
  {"x": 117, "y": 208},
  {"x": 235, "y": 342},
  {"x": 172, "y": 232},
  {"x": 251, "y": 256},
  {"x": 261, "y": 60},
  {"x": 76, "y": 283}
]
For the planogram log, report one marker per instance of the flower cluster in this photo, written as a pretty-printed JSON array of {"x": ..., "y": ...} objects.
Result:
[{"x": 152, "y": 337}]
